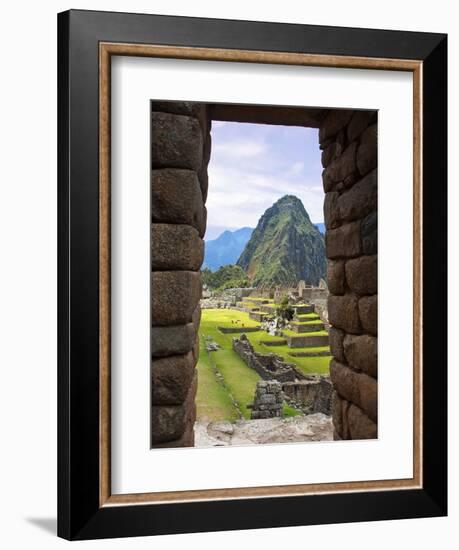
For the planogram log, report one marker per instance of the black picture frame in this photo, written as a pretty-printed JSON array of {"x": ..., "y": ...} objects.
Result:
[{"x": 79, "y": 513}]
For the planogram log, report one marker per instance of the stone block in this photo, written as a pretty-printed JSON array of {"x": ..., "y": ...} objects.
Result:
[
  {"x": 336, "y": 278},
  {"x": 362, "y": 274},
  {"x": 345, "y": 381},
  {"x": 196, "y": 317},
  {"x": 336, "y": 337},
  {"x": 176, "y": 198},
  {"x": 360, "y": 200},
  {"x": 204, "y": 182},
  {"x": 344, "y": 241},
  {"x": 171, "y": 379},
  {"x": 169, "y": 422},
  {"x": 266, "y": 399},
  {"x": 340, "y": 409},
  {"x": 356, "y": 387},
  {"x": 203, "y": 173},
  {"x": 368, "y": 312},
  {"x": 204, "y": 217},
  {"x": 368, "y": 395},
  {"x": 186, "y": 440},
  {"x": 176, "y": 141},
  {"x": 361, "y": 353},
  {"x": 335, "y": 120},
  {"x": 174, "y": 296},
  {"x": 343, "y": 313},
  {"x": 331, "y": 210},
  {"x": 207, "y": 150},
  {"x": 175, "y": 340},
  {"x": 359, "y": 122},
  {"x": 367, "y": 153},
  {"x": 347, "y": 183},
  {"x": 360, "y": 426},
  {"x": 340, "y": 168},
  {"x": 331, "y": 152},
  {"x": 369, "y": 231},
  {"x": 195, "y": 349},
  {"x": 175, "y": 246},
  {"x": 188, "y": 108},
  {"x": 172, "y": 340},
  {"x": 336, "y": 436},
  {"x": 337, "y": 413}
]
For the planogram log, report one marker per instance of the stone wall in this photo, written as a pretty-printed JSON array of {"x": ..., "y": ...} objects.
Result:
[
  {"x": 268, "y": 400},
  {"x": 180, "y": 152},
  {"x": 313, "y": 394},
  {"x": 312, "y": 293},
  {"x": 269, "y": 367},
  {"x": 348, "y": 140}
]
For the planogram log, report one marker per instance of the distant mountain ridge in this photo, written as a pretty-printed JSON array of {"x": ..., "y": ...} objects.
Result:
[
  {"x": 285, "y": 247},
  {"x": 226, "y": 248},
  {"x": 320, "y": 227}
]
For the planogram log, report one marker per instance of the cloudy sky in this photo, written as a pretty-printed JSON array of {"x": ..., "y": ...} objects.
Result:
[{"x": 253, "y": 165}]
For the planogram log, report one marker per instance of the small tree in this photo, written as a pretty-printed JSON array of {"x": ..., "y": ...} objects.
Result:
[{"x": 285, "y": 310}]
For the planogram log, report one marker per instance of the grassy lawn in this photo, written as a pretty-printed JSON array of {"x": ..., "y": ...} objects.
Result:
[
  {"x": 287, "y": 332},
  {"x": 239, "y": 381},
  {"x": 312, "y": 365},
  {"x": 311, "y": 322},
  {"x": 308, "y": 365},
  {"x": 307, "y": 317},
  {"x": 239, "y": 378},
  {"x": 213, "y": 401},
  {"x": 319, "y": 349}
]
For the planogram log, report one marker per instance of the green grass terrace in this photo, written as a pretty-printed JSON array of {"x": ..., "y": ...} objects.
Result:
[{"x": 226, "y": 385}]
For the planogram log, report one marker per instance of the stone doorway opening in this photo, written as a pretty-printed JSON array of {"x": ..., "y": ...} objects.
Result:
[{"x": 180, "y": 154}]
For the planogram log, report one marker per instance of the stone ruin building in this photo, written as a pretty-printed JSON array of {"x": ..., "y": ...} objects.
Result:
[
  {"x": 311, "y": 393},
  {"x": 269, "y": 367},
  {"x": 268, "y": 400}
]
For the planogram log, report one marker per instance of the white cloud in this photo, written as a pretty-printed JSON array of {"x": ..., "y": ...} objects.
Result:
[
  {"x": 296, "y": 168},
  {"x": 238, "y": 149},
  {"x": 252, "y": 166},
  {"x": 237, "y": 197}
]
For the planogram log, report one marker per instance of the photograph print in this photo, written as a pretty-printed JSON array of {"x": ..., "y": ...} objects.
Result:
[{"x": 264, "y": 288}]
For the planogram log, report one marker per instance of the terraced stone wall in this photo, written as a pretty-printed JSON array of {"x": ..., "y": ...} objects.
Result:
[
  {"x": 269, "y": 367},
  {"x": 180, "y": 139},
  {"x": 348, "y": 140}
]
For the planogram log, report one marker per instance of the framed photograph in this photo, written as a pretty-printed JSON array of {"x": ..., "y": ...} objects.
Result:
[{"x": 252, "y": 274}]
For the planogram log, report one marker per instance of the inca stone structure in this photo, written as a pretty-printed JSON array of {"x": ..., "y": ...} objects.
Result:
[
  {"x": 180, "y": 134},
  {"x": 348, "y": 140},
  {"x": 312, "y": 394},
  {"x": 269, "y": 367},
  {"x": 181, "y": 145},
  {"x": 268, "y": 400}
]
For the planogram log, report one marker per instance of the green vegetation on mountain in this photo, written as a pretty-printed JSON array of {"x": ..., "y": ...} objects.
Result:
[
  {"x": 228, "y": 276},
  {"x": 285, "y": 247}
]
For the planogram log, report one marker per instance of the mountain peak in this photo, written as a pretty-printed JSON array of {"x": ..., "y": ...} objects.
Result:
[
  {"x": 289, "y": 200},
  {"x": 291, "y": 205},
  {"x": 285, "y": 246}
]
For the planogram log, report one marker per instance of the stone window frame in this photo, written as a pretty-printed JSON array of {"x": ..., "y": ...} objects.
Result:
[{"x": 181, "y": 150}]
